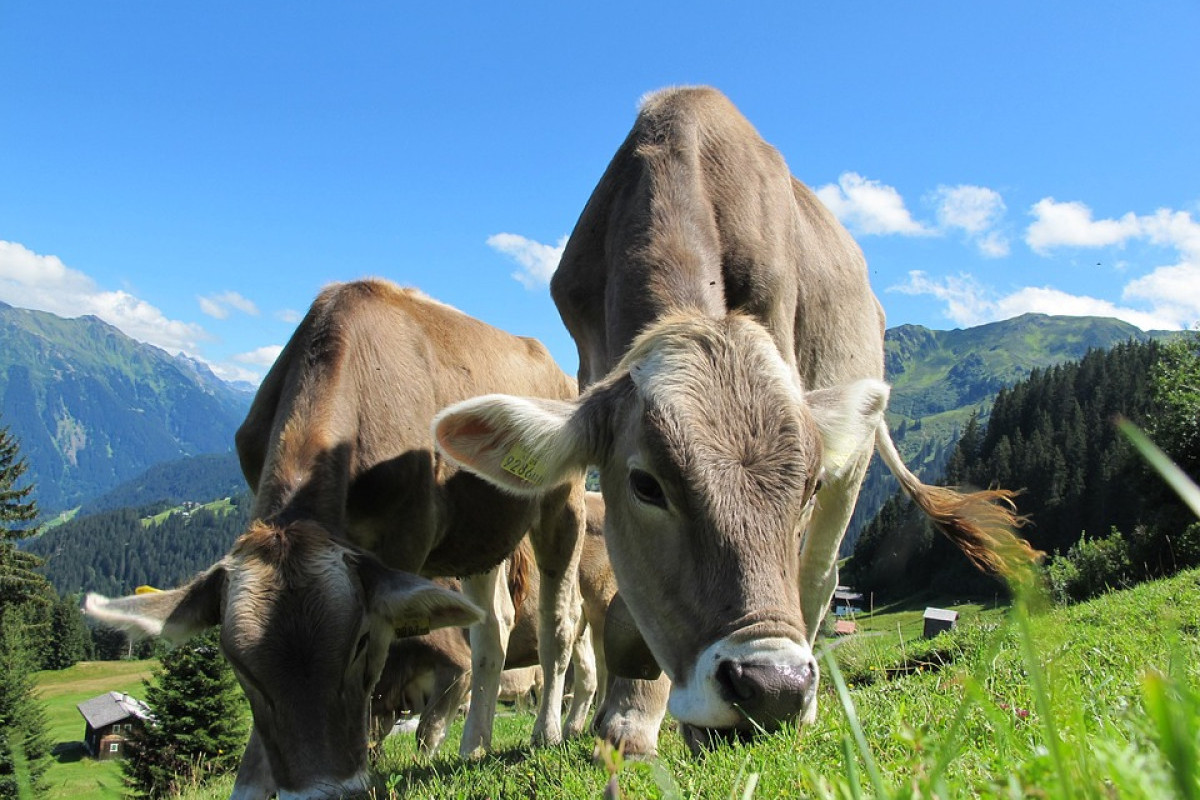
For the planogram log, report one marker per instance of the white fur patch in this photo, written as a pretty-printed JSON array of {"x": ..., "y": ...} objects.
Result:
[
  {"x": 103, "y": 609},
  {"x": 698, "y": 701}
]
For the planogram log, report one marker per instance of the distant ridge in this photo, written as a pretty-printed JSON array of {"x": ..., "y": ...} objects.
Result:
[
  {"x": 92, "y": 407},
  {"x": 939, "y": 378}
]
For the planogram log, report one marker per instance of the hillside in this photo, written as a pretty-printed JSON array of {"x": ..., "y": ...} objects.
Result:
[
  {"x": 940, "y": 378},
  {"x": 92, "y": 407},
  {"x": 195, "y": 478},
  {"x": 114, "y": 552}
]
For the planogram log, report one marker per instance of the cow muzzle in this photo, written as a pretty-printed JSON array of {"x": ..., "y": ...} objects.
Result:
[{"x": 742, "y": 687}]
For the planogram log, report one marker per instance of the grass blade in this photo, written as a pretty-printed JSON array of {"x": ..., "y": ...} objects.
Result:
[{"x": 1176, "y": 478}]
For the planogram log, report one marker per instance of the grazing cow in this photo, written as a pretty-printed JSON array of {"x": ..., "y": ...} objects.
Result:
[
  {"x": 430, "y": 674},
  {"x": 338, "y": 441},
  {"x": 732, "y": 352}
]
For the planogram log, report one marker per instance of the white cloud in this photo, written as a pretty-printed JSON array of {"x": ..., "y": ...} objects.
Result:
[
  {"x": 220, "y": 305},
  {"x": 993, "y": 244},
  {"x": 1175, "y": 290},
  {"x": 1071, "y": 225},
  {"x": 289, "y": 315},
  {"x": 1171, "y": 291},
  {"x": 228, "y": 371},
  {"x": 969, "y": 303},
  {"x": 538, "y": 261},
  {"x": 870, "y": 207},
  {"x": 261, "y": 356},
  {"x": 975, "y": 210},
  {"x": 44, "y": 283}
]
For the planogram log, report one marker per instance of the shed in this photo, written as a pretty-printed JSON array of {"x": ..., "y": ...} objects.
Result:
[
  {"x": 938, "y": 620},
  {"x": 845, "y": 601},
  {"x": 110, "y": 719}
]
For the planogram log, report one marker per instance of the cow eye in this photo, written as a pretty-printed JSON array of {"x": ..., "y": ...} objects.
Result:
[{"x": 646, "y": 489}]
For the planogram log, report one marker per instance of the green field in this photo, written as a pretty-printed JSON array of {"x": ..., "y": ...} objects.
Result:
[
  {"x": 1097, "y": 701},
  {"x": 72, "y": 773}
]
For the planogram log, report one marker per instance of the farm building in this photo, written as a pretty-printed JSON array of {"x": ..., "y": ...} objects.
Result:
[
  {"x": 110, "y": 719},
  {"x": 938, "y": 620},
  {"x": 846, "y": 601}
]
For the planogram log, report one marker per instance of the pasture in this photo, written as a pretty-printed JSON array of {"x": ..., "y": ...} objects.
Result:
[
  {"x": 72, "y": 773},
  {"x": 1097, "y": 700}
]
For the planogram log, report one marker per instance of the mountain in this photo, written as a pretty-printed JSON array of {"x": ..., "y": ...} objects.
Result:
[
  {"x": 93, "y": 408},
  {"x": 940, "y": 378},
  {"x": 196, "y": 479}
]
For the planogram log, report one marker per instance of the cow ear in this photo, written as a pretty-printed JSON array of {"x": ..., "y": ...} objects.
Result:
[
  {"x": 412, "y": 605},
  {"x": 176, "y": 615},
  {"x": 847, "y": 417},
  {"x": 524, "y": 445}
]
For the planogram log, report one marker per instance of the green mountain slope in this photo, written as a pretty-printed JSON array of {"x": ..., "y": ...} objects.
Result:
[
  {"x": 940, "y": 378},
  {"x": 93, "y": 408}
]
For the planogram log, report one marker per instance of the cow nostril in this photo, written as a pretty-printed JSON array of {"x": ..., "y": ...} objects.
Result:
[
  {"x": 767, "y": 693},
  {"x": 735, "y": 683}
]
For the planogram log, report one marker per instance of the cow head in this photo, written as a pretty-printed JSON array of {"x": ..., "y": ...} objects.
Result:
[
  {"x": 306, "y": 623},
  {"x": 710, "y": 455}
]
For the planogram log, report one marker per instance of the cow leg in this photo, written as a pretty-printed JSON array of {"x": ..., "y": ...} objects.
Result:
[
  {"x": 450, "y": 690},
  {"x": 818, "y": 558},
  {"x": 489, "y": 643},
  {"x": 632, "y": 713},
  {"x": 557, "y": 539},
  {"x": 584, "y": 686},
  {"x": 254, "y": 779}
]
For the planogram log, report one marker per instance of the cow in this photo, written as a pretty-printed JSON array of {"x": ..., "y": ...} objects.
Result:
[
  {"x": 430, "y": 674},
  {"x": 731, "y": 370},
  {"x": 337, "y": 448}
]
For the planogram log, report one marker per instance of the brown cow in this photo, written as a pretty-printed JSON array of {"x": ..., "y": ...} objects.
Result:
[
  {"x": 733, "y": 354},
  {"x": 430, "y": 674},
  {"x": 338, "y": 439}
]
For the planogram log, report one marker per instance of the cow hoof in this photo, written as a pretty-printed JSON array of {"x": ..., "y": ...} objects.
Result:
[{"x": 631, "y": 741}]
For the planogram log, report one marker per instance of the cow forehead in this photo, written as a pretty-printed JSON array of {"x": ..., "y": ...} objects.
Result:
[
  {"x": 681, "y": 349},
  {"x": 718, "y": 394},
  {"x": 319, "y": 579}
]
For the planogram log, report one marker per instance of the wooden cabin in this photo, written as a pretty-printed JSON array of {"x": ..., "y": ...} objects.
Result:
[{"x": 110, "y": 719}]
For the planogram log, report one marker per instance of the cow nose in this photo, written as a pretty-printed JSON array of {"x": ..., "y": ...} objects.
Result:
[{"x": 769, "y": 694}]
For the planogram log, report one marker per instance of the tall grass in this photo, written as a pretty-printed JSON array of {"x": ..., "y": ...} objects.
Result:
[{"x": 1097, "y": 700}]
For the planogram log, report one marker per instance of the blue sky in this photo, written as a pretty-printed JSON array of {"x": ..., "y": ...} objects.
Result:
[{"x": 194, "y": 173}]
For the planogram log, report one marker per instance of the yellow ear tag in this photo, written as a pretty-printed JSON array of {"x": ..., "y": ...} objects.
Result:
[
  {"x": 418, "y": 626},
  {"x": 143, "y": 589},
  {"x": 524, "y": 465}
]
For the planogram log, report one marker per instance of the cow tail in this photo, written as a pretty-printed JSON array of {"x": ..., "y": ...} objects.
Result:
[
  {"x": 981, "y": 523},
  {"x": 520, "y": 567}
]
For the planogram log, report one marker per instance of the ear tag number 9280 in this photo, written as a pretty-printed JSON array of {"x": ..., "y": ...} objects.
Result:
[{"x": 524, "y": 465}]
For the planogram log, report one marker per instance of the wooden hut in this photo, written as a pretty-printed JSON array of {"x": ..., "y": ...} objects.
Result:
[
  {"x": 110, "y": 719},
  {"x": 938, "y": 620}
]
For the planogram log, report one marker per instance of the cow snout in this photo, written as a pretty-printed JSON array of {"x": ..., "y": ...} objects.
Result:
[{"x": 768, "y": 694}]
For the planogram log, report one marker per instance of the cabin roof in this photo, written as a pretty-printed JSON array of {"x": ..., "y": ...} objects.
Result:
[
  {"x": 944, "y": 614},
  {"x": 112, "y": 707}
]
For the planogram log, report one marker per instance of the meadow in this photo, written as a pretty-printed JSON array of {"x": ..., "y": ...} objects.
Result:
[
  {"x": 1097, "y": 700},
  {"x": 73, "y": 773}
]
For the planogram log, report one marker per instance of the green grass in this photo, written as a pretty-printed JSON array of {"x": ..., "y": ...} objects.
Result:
[
  {"x": 222, "y": 506},
  {"x": 1093, "y": 701},
  {"x": 73, "y": 774}
]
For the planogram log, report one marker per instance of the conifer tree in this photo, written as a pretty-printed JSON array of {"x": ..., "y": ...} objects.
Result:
[
  {"x": 23, "y": 593},
  {"x": 19, "y": 581},
  {"x": 69, "y": 641},
  {"x": 199, "y": 726},
  {"x": 24, "y": 746}
]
